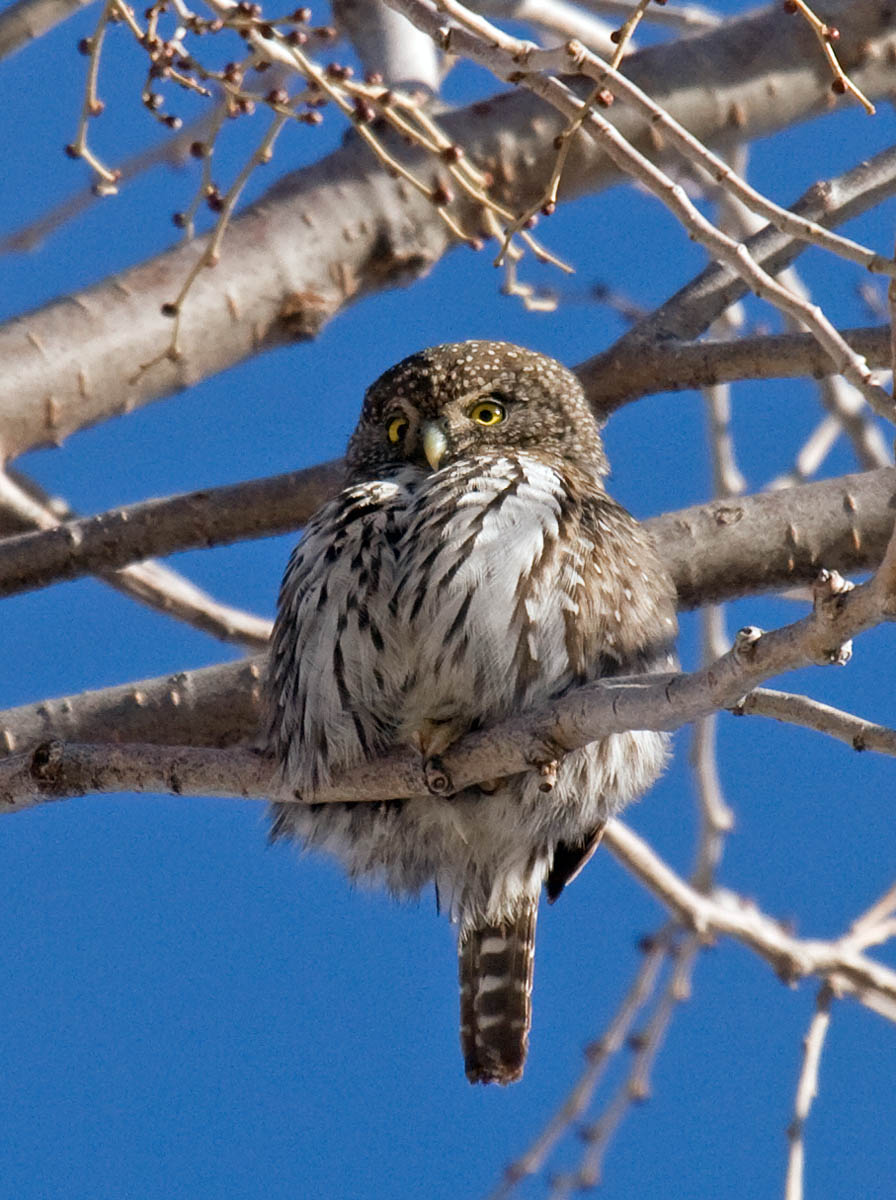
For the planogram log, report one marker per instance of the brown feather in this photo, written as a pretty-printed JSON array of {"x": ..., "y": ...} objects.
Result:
[{"x": 496, "y": 964}]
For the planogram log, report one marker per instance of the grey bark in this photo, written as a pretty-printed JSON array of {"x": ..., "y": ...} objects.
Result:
[{"x": 342, "y": 229}]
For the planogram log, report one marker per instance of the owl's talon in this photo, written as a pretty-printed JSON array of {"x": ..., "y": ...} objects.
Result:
[
  {"x": 548, "y": 773},
  {"x": 437, "y": 779}
]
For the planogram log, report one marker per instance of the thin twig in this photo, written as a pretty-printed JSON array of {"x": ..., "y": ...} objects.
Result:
[
  {"x": 812, "y": 714},
  {"x": 827, "y": 35},
  {"x": 728, "y": 914},
  {"x": 724, "y": 249},
  {"x": 806, "y": 1091},
  {"x": 636, "y": 1088}
]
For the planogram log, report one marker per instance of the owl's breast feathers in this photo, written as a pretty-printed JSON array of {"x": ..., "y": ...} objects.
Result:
[
  {"x": 459, "y": 596},
  {"x": 519, "y": 577}
]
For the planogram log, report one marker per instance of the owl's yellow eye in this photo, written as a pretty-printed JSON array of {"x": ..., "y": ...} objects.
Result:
[
  {"x": 397, "y": 428},
  {"x": 487, "y": 412}
]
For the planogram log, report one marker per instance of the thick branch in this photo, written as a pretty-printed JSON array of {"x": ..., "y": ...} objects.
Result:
[
  {"x": 714, "y": 552},
  {"x": 287, "y": 265},
  {"x": 214, "y": 706},
  {"x": 25, "y": 20},
  {"x": 24, "y": 503},
  {"x": 728, "y": 548}
]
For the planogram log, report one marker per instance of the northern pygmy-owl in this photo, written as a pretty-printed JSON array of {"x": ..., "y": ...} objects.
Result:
[{"x": 473, "y": 567}]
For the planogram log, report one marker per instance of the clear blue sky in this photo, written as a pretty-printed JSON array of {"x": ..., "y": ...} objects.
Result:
[{"x": 188, "y": 1012}]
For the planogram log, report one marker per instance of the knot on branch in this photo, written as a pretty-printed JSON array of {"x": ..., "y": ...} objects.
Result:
[
  {"x": 48, "y": 770},
  {"x": 828, "y": 592},
  {"x": 46, "y": 762},
  {"x": 745, "y": 642}
]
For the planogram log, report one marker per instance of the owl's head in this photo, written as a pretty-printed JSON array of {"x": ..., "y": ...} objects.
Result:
[{"x": 466, "y": 398}]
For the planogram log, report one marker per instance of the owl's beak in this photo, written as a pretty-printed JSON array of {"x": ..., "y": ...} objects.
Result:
[{"x": 434, "y": 443}]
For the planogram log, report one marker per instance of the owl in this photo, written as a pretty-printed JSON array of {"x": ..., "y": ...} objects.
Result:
[{"x": 473, "y": 567}]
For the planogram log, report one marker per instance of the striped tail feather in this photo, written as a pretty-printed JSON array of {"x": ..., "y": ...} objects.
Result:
[{"x": 495, "y": 970}]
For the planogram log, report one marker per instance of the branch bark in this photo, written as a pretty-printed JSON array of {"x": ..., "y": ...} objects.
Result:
[
  {"x": 288, "y": 266},
  {"x": 714, "y": 551}
]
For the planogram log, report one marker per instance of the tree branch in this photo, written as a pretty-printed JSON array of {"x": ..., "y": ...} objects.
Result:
[
  {"x": 726, "y": 913},
  {"x": 692, "y": 310},
  {"x": 25, "y": 20},
  {"x": 213, "y": 706},
  {"x": 812, "y": 714},
  {"x": 341, "y": 229},
  {"x": 210, "y": 517},
  {"x": 714, "y": 552},
  {"x": 151, "y": 583},
  {"x": 676, "y": 366}
]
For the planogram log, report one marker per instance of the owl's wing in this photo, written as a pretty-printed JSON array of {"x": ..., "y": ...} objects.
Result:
[
  {"x": 569, "y": 860},
  {"x": 624, "y": 601},
  {"x": 332, "y": 678}
]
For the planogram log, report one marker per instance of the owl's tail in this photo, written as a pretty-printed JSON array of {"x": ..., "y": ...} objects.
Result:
[{"x": 495, "y": 997}]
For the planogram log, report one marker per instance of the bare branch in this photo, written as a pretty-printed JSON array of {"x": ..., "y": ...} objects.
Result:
[
  {"x": 806, "y": 1091},
  {"x": 682, "y": 16},
  {"x": 511, "y": 59},
  {"x": 388, "y": 43},
  {"x": 726, "y": 548},
  {"x": 713, "y": 552},
  {"x": 677, "y": 366},
  {"x": 875, "y": 925},
  {"x": 556, "y": 18},
  {"x": 693, "y": 309},
  {"x": 213, "y": 706},
  {"x": 213, "y": 516},
  {"x": 726, "y": 913},
  {"x": 812, "y": 714},
  {"x": 635, "y": 1089},
  {"x": 25, "y": 20},
  {"x": 151, "y": 583},
  {"x": 339, "y": 230}
]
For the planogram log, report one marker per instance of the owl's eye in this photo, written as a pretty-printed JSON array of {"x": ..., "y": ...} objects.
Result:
[
  {"x": 488, "y": 412},
  {"x": 397, "y": 428}
]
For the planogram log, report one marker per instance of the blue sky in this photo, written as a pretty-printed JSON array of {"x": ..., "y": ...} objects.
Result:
[{"x": 191, "y": 1013}]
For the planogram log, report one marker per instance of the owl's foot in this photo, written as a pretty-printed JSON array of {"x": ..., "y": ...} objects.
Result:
[
  {"x": 548, "y": 773},
  {"x": 434, "y": 736}
]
